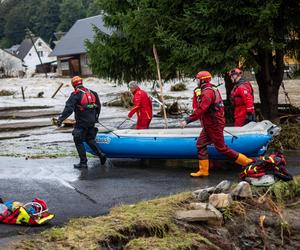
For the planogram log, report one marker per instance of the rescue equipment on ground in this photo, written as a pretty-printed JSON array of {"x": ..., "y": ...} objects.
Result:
[
  {"x": 264, "y": 181},
  {"x": 274, "y": 164},
  {"x": 32, "y": 213}
]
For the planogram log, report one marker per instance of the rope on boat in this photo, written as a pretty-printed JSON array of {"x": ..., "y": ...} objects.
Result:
[{"x": 108, "y": 129}]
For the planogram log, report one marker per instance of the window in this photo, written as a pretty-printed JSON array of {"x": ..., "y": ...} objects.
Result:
[
  {"x": 40, "y": 44},
  {"x": 40, "y": 53},
  {"x": 64, "y": 65}
]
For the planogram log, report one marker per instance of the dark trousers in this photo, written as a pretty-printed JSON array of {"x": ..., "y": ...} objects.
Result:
[{"x": 88, "y": 135}]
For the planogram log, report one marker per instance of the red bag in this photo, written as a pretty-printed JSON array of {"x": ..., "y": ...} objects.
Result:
[{"x": 274, "y": 164}]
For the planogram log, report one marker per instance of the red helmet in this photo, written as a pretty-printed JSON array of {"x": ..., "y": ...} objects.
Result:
[
  {"x": 204, "y": 76},
  {"x": 76, "y": 81},
  {"x": 235, "y": 71}
]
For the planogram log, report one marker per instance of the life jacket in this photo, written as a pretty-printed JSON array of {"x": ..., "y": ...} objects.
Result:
[
  {"x": 274, "y": 164},
  {"x": 32, "y": 213},
  {"x": 88, "y": 100},
  {"x": 237, "y": 100},
  {"x": 218, "y": 104}
]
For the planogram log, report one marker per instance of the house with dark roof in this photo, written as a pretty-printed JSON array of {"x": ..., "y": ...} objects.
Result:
[
  {"x": 71, "y": 51},
  {"x": 30, "y": 51},
  {"x": 10, "y": 65}
]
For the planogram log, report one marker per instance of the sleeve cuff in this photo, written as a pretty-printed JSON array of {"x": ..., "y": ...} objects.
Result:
[{"x": 188, "y": 120}]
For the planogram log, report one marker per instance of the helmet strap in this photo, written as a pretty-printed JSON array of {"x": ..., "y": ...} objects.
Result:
[{"x": 202, "y": 82}]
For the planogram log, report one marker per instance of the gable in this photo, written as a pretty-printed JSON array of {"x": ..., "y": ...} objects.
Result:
[{"x": 25, "y": 47}]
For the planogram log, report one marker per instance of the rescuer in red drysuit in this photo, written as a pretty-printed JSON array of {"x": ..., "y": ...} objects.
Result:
[
  {"x": 142, "y": 106},
  {"x": 242, "y": 99},
  {"x": 210, "y": 111}
]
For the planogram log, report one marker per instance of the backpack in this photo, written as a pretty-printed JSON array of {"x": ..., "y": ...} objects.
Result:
[
  {"x": 274, "y": 164},
  {"x": 88, "y": 100}
]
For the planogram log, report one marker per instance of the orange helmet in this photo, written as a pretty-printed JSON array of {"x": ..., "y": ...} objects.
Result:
[
  {"x": 235, "y": 71},
  {"x": 205, "y": 76},
  {"x": 76, "y": 81}
]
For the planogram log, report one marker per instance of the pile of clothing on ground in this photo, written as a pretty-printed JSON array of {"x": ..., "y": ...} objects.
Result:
[
  {"x": 264, "y": 170},
  {"x": 31, "y": 213}
]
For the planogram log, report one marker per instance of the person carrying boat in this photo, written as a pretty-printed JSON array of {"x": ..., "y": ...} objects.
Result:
[
  {"x": 86, "y": 105},
  {"x": 142, "y": 106},
  {"x": 210, "y": 111},
  {"x": 242, "y": 99}
]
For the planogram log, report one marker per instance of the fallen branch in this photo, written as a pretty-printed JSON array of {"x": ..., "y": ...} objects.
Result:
[{"x": 57, "y": 90}]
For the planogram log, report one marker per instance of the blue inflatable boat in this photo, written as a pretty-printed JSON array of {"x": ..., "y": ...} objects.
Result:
[{"x": 251, "y": 140}]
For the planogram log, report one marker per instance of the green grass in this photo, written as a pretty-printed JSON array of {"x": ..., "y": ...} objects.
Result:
[{"x": 146, "y": 225}]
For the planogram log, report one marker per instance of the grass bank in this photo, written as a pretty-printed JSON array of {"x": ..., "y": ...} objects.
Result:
[{"x": 271, "y": 218}]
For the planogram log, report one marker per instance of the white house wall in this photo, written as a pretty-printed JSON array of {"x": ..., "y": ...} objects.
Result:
[
  {"x": 11, "y": 64},
  {"x": 32, "y": 59}
]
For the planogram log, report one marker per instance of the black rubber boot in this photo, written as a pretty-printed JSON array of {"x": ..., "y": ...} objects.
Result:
[
  {"x": 94, "y": 147},
  {"x": 80, "y": 165},
  {"x": 102, "y": 158},
  {"x": 81, "y": 151}
]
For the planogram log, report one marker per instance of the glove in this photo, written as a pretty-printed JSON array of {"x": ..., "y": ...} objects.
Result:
[
  {"x": 250, "y": 117},
  {"x": 58, "y": 123},
  {"x": 183, "y": 124}
]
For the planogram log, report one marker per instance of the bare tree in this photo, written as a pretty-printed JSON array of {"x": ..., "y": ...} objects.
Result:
[{"x": 7, "y": 65}]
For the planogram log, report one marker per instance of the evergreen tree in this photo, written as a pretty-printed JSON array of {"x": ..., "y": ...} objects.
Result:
[
  {"x": 16, "y": 22},
  {"x": 200, "y": 34},
  {"x": 256, "y": 34},
  {"x": 40, "y": 16},
  {"x": 7, "y": 13},
  {"x": 44, "y": 18},
  {"x": 127, "y": 54},
  {"x": 70, "y": 12}
]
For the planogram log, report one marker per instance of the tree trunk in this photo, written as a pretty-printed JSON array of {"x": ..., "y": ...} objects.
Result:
[
  {"x": 268, "y": 94},
  {"x": 269, "y": 78},
  {"x": 228, "y": 85}
]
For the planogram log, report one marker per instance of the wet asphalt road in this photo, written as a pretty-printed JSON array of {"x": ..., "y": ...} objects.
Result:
[{"x": 73, "y": 193}]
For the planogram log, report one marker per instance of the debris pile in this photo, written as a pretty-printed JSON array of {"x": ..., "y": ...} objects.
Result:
[
  {"x": 123, "y": 99},
  {"x": 178, "y": 87}
]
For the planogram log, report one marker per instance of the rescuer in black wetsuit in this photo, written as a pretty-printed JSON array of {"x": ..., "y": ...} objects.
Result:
[{"x": 86, "y": 105}]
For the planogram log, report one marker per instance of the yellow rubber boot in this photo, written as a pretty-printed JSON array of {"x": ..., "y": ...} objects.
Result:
[
  {"x": 243, "y": 160},
  {"x": 203, "y": 169}
]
